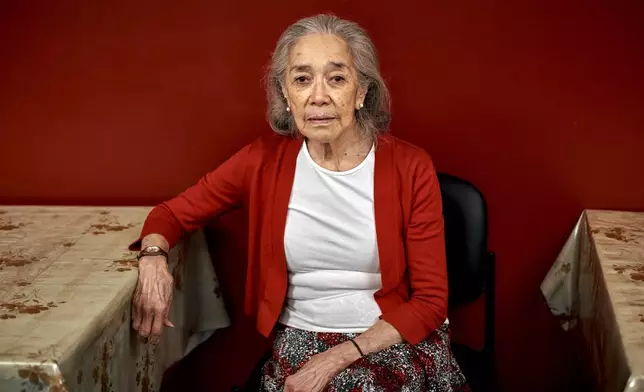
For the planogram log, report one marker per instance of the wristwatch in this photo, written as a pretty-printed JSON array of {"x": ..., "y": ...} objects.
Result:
[{"x": 152, "y": 251}]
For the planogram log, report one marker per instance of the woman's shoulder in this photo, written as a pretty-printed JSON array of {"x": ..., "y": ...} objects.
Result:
[
  {"x": 404, "y": 152},
  {"x": 269, "y": 144}
]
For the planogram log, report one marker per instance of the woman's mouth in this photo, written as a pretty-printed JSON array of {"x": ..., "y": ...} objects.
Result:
[{"x": 320, "y": 120}]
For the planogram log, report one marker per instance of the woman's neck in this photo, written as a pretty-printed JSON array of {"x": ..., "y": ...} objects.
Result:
[{"x": 343, "y": 153}]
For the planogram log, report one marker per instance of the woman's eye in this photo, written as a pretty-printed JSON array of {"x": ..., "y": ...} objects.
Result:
[
  {"x": 337, "y": 79},
  {"x": 301, "y": 79}
]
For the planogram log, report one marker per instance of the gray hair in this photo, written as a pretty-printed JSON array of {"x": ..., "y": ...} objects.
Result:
[{"x": 374, "y": 117}]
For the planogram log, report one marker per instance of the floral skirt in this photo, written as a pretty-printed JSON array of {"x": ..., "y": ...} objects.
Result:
[{"x": 427, "y": 366}]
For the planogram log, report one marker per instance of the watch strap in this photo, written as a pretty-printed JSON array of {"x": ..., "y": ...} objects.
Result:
[{"x": 152, "y": 251}]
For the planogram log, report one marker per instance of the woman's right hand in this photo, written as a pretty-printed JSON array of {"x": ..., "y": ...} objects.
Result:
[{"x": 152, "y": 298}]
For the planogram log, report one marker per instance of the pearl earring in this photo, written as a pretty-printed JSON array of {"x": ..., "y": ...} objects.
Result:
[
  {"x": 361, "y": 105},
  {"x": 288, "y": 109}
]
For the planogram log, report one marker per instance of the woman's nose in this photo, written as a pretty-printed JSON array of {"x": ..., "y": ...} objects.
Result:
[{"x": 319, "y": 95}]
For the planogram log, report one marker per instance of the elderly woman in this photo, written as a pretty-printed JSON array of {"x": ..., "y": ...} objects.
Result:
[{"x": 346, "y": 258}]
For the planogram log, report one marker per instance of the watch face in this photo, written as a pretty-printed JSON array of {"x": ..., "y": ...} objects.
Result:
[{"x": 152, "y": 249}]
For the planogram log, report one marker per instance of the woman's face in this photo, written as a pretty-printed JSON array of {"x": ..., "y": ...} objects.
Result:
[{"x": 321, "y": 87}]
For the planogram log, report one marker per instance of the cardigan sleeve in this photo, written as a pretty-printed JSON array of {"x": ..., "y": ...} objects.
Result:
[
  {"x": 217, "y": 192},
  {"x": 426, "y": 308}
]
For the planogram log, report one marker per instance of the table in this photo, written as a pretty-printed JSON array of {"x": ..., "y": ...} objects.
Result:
[
  {"x": 66, "y": 280},
  {"x": 596, "y": 287}
]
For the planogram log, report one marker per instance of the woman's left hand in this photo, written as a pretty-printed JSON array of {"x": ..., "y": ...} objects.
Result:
[{"x": 318, "y": 372}]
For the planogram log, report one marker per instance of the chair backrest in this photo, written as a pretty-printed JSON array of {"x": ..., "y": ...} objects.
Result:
[{"x": 465, "y": 215}]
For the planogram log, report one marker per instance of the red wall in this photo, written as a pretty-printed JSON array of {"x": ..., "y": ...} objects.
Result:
[{"x": 541, "y": 106}]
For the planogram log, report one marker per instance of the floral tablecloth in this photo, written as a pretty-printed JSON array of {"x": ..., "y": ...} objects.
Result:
[
  {"x": 596, "y": 287},
  {"x": 66, "y": 280}
]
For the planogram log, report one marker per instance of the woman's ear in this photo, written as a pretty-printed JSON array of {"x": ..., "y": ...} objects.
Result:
[
  {"x": 360, "y": 97},
  {"x": 285, "y": 94}
]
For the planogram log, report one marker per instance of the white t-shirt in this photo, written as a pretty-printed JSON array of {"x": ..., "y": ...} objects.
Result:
[{"x": 331, "y": 248}]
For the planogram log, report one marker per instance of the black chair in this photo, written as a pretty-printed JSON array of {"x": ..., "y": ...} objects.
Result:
[{"x": 470, "y": 273}]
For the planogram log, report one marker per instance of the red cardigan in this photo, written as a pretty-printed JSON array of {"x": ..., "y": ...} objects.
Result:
[{"x": 408, "y": 215}]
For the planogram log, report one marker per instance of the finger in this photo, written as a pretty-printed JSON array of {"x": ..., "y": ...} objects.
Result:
[
  {"x": 136, "y": 316},
  {"x": 288, "y": 385},
  {"x": 136, "y": 312},
  {"x": 166, "y": 320},
  {"x": 146, "y": 322},
  {"x": 157, "y": 327}
]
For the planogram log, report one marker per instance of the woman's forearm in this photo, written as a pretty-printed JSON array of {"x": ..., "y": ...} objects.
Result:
[{"x": 380, "y": 336}]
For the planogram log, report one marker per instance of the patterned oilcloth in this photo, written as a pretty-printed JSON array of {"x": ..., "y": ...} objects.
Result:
[{"x": 427, "y": 366}]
